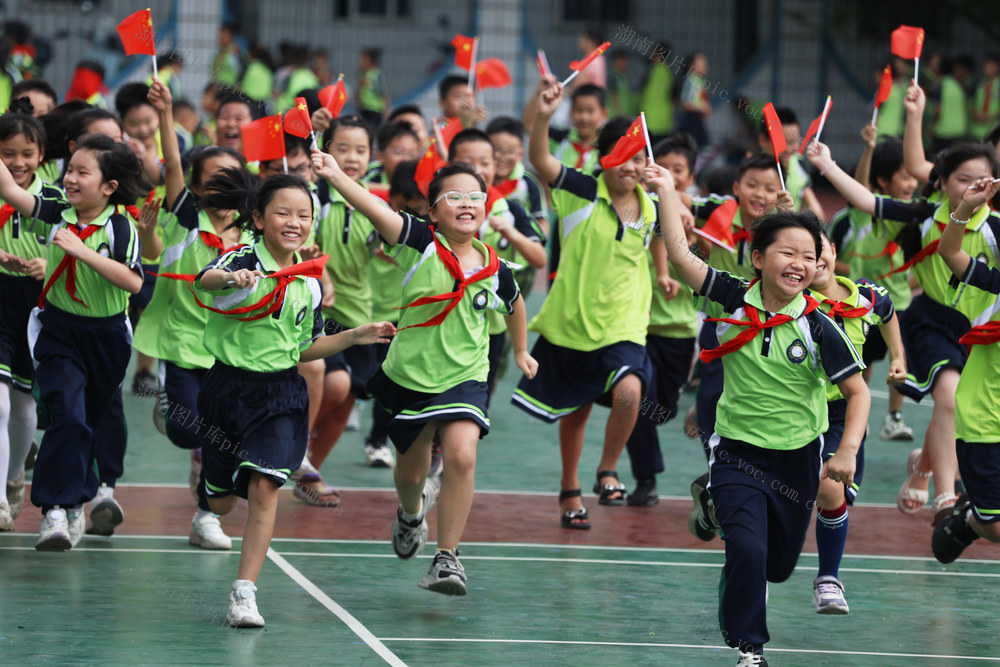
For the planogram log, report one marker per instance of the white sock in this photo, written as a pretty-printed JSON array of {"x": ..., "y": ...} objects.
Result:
[
  {"x": 244, "y": 583},
  {"x": 4, "y": 437},
  {"x": 23, "y": 424}
]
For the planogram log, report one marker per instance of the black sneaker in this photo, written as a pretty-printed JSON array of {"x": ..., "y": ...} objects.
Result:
[
  {"x": 446, "y": 575},
  {"x": 144, "y": 384},
  {"x": 702, "y": 521},
  {"x": 953, "y": 533},
  {"x": 645, "y": 493}
]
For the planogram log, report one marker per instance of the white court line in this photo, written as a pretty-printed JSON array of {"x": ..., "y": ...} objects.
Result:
[
  {"x": 354, "y": 624},
  {"x": 928, "y": 402},
  {"x": 929, "y": 656}
]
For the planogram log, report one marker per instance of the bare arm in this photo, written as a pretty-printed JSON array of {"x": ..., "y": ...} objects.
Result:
[
  {"x": 856, "y": 194},
  {"x": 533, "y": 251},
  {"x": 14, "y": 194},
  {"x": 159, "y": 97},
  {"x": 538, "y": 144},
  {"x": 950, "y": 246},
  {"x": 366, "y": 334},
  {"x": 531, "y": 108},
  {"x": 897, "y": 355},
  {"x": 517, "y": 327},
  {"x": 387, "y": 222},
  {"x": 913, "y": 141},
  {"x": 110, "y": 269},
  {"x": 690, "y": 268},
  {"x": 869, "y": 134},
  {"x": 811, "y": 202}
]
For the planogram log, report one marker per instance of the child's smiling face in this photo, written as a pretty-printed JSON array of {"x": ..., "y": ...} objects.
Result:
[{"x": 464, "y": 220}]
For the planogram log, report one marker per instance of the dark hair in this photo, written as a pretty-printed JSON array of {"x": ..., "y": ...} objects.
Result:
[
  {"x": 68, "y": 122},
  {"x": 448, "y": 170},
  {"x": 785, "y": 114},
  {"x": 172, "y": 58},
  {"x": 886, "y": 161},
  {"x": 759, "y": 161},
  {"x": 681, "y": 143},
  {"x": 965, "y": 60},
  {"x": 468, "y": 135},
  {"x": 374, "y": 54},
  {"x": 239, "y": 190},
  {"x": 346, "y": 121},
  {"x": 506, "y": 125},
  {"x": 232, "y": 99},
  {"x": 294, "y": 144},
  {"x": 593, "y": 33},
  {"x": 449, "y": 82},
  {"x": 14, "y": 123},
  {"x": 612, "y": 131},
  {"x": 406, "y": 108},
  {"x": 403, "y": 181},
  {"x": 992, "y": 56},
  {"x": 131, "y": 96},
  {"x": 718, "y": 179},
  {"x": 178, "y": 105},
  {"x": 590, "y": 90},
  {"x": 34, "y": 86},
  {"x": 201, "y": 155},
  {"x": 994, "y": 136},
  {"x": 117, "y": 163},
  {"x": 765, "y": 230},
  {"x": 389, "y": 132}
]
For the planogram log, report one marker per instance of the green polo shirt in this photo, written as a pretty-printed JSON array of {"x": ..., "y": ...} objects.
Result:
[
  {"x": 655, "y": 99},
  {"x": 987, "y": 98},
  {"x": 953, "y": 112},
  {"x": 977, "y": 399},
  {"x": 373, "y": 90},
  {"x": 15, "y": 237},
  {"x": 173, "y": 325},
  {"x": 861, "y": 242},
  {"x": 738, "y": 263},
  {"x": 565, "y": 146},
  {"x": 386, "y": 280},
  {"x": 272, "y": 343},
  {"x": 602, "y": 293},
  {"x": 116, "y": 239},
  {"x": 302, "y": 78},
  {"x": 797, "y": 179},
  {"x": 863, "y": 295},
  {"x": 350, "y": 239},
  {"x": 774, "y": 391},
  {"x": 892, "y": 114},
  {"x": 513, "y": 214},
  {"x": 435, "y": 358},
  {"x": 671, "y": 318}
]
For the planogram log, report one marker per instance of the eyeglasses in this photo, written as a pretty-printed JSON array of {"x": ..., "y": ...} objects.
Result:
[
  {"x": 456, "y": 198},
  {"x": 507, "y": 155}
]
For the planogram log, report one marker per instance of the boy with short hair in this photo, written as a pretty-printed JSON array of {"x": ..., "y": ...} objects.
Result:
[{"x": 517, "y": 184}]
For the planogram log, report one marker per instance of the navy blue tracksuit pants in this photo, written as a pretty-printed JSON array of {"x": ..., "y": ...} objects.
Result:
[
  {"x": 80, "y": 365},
  {"x": 763, "y": 500}
]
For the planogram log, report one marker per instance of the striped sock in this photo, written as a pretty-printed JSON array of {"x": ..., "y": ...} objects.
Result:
[{"x": 831, "y": 536}]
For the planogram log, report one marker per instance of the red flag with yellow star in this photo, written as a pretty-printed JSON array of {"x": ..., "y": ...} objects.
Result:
[
  {"x": 631, "y": 143},
  {"x": 463, "y": 51},
  {"x": 297, "y": 121},
  {"x": 136, "y": 33},
  {"x": 334, "y": 97},
  {"x": 907, "y": 42},
  {"x": 492, "y": 73},
  {"x": 263, "y": 139},
  {"x": 774, "y": 130},
  {"x": 426, "y": 167}
]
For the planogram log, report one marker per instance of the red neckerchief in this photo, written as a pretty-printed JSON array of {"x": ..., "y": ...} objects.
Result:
[
  {"x": 6, "y": 211},
  {"x": 68, "y": 264},
  {"x": 581, "y": 153},
  {"x": 493, "y": 195},
  {"x": 506, "y": 187},
  {"x": 924, "y": 253},
  {"x": 984, "y": 334},
  {"x": 270, "y": 302},
  {"x": 845, "y": 311},
  {"x": 754, "y": 326},
  {"x": 213, "y": 241},
  {"x": 890, "y": 249},
  {"x": 133, "y": 210},
  {"x": 451, "y": 263}
]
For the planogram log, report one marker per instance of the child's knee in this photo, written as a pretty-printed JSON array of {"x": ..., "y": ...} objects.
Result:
[
  {"x": 222, "y": 505},
  {"x": 830, "y": 495},
  {"x": 627, "y": 391},
  {"x": 990, "y": 531}
]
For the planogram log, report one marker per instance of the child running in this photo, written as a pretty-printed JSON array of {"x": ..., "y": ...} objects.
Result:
[
  {"x": 265, "y": 317},
  {"x": 434, "y": 376},
  {"x": 765, "y": 454}
]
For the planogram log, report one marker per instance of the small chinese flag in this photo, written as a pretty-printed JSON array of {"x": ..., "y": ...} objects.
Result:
[
  {"x": 816, "y": 127},
  {"x": 464, "y": 47},
  {"x": 448, "y": 132},
  {"x": 136, "y": 33},
  {"x": 719, "y": 227},
  {"x": 334, "y": 97},
  {"x": 86, "y": 83},
  {"x": 885, "y": 88},
  {"x": 775, "y": 130},
  {"x": 492, "y": 73},
  {"x": 631, "y": 143},
  {"x": 297, "y": 121},
  {"x": 579, "y": 65},
  {"x": 907, "y": 42},
  {"x": 426, "y": 167},
  {"x": 263, "y": 139},
  {"x": 543, "y": 63}
]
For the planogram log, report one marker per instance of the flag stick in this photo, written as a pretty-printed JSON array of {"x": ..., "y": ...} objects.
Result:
[
  {"x": 155, "y": 72},
  {"x": 645, "y": 131},
  {"x": 472, "y": 67},
  {"x": 315, "y": 145},
  {"x": 570, "y": 78},
  {"x": 822, "y": 120},
  {"x": 153, "y": 38},
  {"x": 916, "y": 71},
  {"x": 712, "y": 239},
  {"x": 284, "y": 163},
  {"x": 543, "y": 63},
  {"x": 874, "y": 115},
  {"x": 781, "y": 177}
]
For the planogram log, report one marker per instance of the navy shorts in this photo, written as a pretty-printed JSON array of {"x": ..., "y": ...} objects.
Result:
[
  {"x": 411, "y": 410},
  {"x": 671, "y": 359},
  {"x": 831, "y": 442},
  {"x": 979, "y": 465},
  {"x": 930, "y": 336},
  {"x": 360, "y": 362},
  {"x": 257, "y": 422},
  {"x": 178, "y": 401},
  {"x": 18, "y": 295},
  {"x": 570, "y": 379},
  {"x": 875, "y": 348}
]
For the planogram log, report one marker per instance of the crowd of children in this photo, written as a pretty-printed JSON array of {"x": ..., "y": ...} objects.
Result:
[{"x": 351, "y": 271}]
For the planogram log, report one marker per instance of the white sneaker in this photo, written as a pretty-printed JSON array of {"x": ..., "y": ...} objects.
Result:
[
  {"x": 828, "y": 596},
  {"x": 54, "y": 532},
  {"x": 432, "y": 488},
  {"x": 379, "y": 455},
  {"x": 105, "y": 512},
  {"x": 6, "y": 519},
  {"x": 206, "y": 532},
  {"x": 750, "y": 659},
  {"x": 15, "y": 496},
  {"x": 75, "y": 520},
  {"x": 243, "y": 606},
  {"x": 354, "y": 419},
  {"x": 895, "y": 429}
]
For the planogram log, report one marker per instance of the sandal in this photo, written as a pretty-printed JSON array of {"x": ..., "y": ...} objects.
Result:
[
  {"x": 577, "y": 519},
  {"x": 906, "y": 493},
  {"x": 611, "y": 494},
  {"x": 944, "y": 503}
]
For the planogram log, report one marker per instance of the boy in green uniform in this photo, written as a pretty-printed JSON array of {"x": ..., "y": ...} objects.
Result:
[
  {"x": 986, "y": 102},
  {"x": 373, "y": 93}
]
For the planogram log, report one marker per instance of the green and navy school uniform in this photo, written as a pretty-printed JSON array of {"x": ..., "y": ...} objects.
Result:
[
  {"x": 18, "y": 292},
  {"x": 876, "y": 300},
  {"x": 528, "y": 193},
  {"x": 797, "y": 179},
  {"x": 565, "y": 146},
  {"x": 977, "y": 402},
  {"x": 438, "y": 372},
  {"x": 986, "y": 100},
  {"x": 931, "y": 326},
  {"x": 593, "y": 322},
  {"x": 253, "y": 398},
  {"x": 766, "y": 450},
  {"x": 81, "y": 349}
]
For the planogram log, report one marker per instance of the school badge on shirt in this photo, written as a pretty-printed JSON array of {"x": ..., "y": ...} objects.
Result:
[
  {"x": 480, "y": 300},
  {"x": 796, "y": 352}
]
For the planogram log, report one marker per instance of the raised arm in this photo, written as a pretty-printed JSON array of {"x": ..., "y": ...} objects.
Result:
[
  {"x": 869, "y": 134},
  {"x": 690, "y": 268},
  {"x": 388, "y": 223},
  {"x": 913, "y": 141},
  {"x": 14, "y": 194},
  {"x": 538, "y": 144},
  {"x": 856, "y": 194},
  {"x": 159, "y": 96},
  {"x": 950, "y": 247}
]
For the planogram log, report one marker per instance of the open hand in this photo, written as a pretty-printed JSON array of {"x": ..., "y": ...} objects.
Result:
[{"x": 373, "y": 332}]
